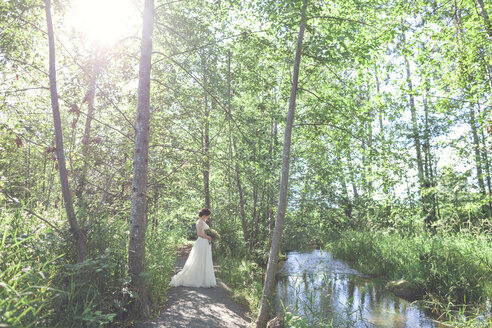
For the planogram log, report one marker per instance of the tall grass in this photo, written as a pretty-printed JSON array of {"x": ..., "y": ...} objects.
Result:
[
  {"x": 160, "y": 259},
  {"x": 245, "y": 278},
  {"x": 24, "y": 285},
  {"x": 41, "y": 285},
  {"x": 450, "y": 270}
]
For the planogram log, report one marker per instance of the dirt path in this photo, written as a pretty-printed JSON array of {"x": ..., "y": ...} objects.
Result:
[{"x": 200, "y": 307}]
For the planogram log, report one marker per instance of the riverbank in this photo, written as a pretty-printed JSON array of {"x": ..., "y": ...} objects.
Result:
[
  {"x": 452, "y": 272},
  {"x": 316, "y": 290}
]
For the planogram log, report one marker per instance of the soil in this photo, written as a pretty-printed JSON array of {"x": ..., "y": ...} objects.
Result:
[{"x": 200, "y": 307}]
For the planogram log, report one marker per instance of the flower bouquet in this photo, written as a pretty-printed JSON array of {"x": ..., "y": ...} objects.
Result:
[{"x": 212, "y": 233}]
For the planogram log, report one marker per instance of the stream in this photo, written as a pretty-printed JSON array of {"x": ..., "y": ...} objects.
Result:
[{"x": 327, "y": 292}]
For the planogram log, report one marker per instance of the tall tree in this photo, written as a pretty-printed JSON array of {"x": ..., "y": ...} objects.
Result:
[
  {"x": 206, "y": 136},
  {"x": 138, "y": 215},
  {"x": 486, "y": 20},
  {"x": 90, "y": 98},
  {"x": 268, "y": 287},
  {"x": 476, "y": 149},
  {"x": 77, "y": 231}
]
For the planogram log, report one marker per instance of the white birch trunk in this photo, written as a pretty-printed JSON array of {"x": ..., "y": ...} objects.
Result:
[
  {"x": 138, "y": 219},
  {"x": 78, "y": 233},
  {"x": 269, "y": 284}
]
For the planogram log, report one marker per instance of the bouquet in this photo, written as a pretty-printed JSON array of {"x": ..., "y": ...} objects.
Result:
[{"x": 212, "y": 233}]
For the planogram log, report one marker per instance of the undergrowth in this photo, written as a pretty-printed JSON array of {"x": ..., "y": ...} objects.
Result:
[
  {"x": 42, "y": 285},
  {"x": 451, "y": 270},
  {"x": 245, "y": 278}
]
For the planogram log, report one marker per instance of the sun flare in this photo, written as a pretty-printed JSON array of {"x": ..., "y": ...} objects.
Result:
[{"x": 103, "y": 21}]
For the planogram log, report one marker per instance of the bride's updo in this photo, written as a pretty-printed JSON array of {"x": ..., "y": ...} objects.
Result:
[{"x": 204, "y": 211}]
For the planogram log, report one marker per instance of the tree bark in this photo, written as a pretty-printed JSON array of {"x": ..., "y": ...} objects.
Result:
[
  {"x": 347, "y": 205},
  {"x": 77, "y": 231},
  {"x": 256, "y": 218},
  {"x": 485, "y": 158},
  {"x": 352, "y": 176},
  {"x": 486, "y": 20},
  {"x": 271, "y": 190},
  {"x": 241, "y": 197},
  {"x": 429, "y": 218},
  {"x": 138, "y": 219},
  {"x": 415, "y": 127},
  {"x": 268, "y": 287},
  {"x": 90, "y": 97},
  {"x": 206, "y": 140},
  {"x": 476, "y": 149},
  {"x": 230, "y": 159},
  {"x": 431, "y": 199},
  {"x": 382, "y": 136}
]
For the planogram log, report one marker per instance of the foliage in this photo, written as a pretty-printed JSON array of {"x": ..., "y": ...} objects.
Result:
[
  {"x": 25, "y": 290},
  {"x": 450, "y": 269},
  {"x": 160, "y": 261},
  {"x": 223, "y": 69},
  {"x": 41, "y": 287},
  {"x": 244, "y": 277}
]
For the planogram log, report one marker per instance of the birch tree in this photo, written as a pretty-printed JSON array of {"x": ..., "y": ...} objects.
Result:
[
  {"x": 269, "y": 284},
  {"x": 138, "y": 215},
  {"x": 77, "y": 231}
]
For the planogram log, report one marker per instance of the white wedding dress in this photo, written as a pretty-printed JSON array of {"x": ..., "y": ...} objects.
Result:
[{"x": 198, "y": 270}]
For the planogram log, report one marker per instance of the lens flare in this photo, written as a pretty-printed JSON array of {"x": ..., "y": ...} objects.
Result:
[{"x": 103, "y": 21}]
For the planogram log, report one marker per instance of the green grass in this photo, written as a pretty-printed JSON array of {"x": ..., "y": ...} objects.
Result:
[
  {"x": 451, "y": 270},
  {"x": 245, "y": 278},
  {"x": 41, "y": 285}
]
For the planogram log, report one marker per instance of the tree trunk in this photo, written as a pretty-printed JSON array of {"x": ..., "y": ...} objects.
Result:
[
  {"x": 352, "y": 176},
  {"x": 138, "y": 220},
  {"x": 430, "y": 198},
  {"x": 241, "y": 197},
  {"x": 90, "y": 97},
  {"x": 256, "y": 218},
  {"x": 271, "y": 190},
  {"x": 382, "y": 136},
  {"x": 347, "y": 205},
  {"x": 266, "y": 297},
  {"x": 79, "y": 235},
  {"x": 485, "y": 158},
  {"x": 476, "y": 149},
  {"x": 415, "y": 128},
  {"x": 416, "y": 136},
  {"x": 230, "y": 159},
  {"x": 206, "y": 141},
  {"x": 486, "y": 20},
  {"x": 255, "y": 201}
]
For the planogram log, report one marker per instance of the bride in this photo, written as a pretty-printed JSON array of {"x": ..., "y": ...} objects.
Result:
[{"x": 198, "y": 270}]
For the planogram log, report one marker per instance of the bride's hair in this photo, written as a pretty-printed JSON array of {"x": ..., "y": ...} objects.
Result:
[{"x": 204, "y": 211}]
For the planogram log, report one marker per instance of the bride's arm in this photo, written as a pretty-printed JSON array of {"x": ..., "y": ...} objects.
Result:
[{"x": 199, "y": 231}]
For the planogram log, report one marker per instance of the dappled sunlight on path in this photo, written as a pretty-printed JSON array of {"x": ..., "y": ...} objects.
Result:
[{"x": 200, "y": 307}]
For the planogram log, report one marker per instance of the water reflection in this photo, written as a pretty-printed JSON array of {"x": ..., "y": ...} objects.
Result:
[{"x": 325, "y": 290}]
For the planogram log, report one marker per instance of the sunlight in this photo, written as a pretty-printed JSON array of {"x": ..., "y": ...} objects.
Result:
[{"x": 103, "y": 21}]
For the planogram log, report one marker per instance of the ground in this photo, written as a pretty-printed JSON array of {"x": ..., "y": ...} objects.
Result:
[{"x": 200, "y": 307}]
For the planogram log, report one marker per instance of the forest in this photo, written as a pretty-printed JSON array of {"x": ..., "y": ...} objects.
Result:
[{"x": 359, "y": 127}]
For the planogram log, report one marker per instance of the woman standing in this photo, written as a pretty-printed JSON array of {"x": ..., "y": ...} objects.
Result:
[{"x": 198, "y": 270}]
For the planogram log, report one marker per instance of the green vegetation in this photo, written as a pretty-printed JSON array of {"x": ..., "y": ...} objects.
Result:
[
  {"x": 245, "y": 278},
  {"x": 41, "y": 287},
  {"x": 390, "y": 156},
  {"x": 452, "y": 269}
]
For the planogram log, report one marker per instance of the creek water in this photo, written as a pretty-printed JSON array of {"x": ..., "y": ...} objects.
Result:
[{"x": 327, "y": 292}]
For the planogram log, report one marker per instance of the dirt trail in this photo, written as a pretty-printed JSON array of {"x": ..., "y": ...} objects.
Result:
[{"x": 200, "y": 307}]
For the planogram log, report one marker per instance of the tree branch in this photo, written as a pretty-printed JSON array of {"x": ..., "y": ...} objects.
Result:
[{"x": 342, "y": 20}]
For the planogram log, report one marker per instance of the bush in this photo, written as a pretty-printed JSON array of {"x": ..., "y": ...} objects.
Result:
[
  {"x": 42, "y": 285},
  {"x": 244, "y": 277}
]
